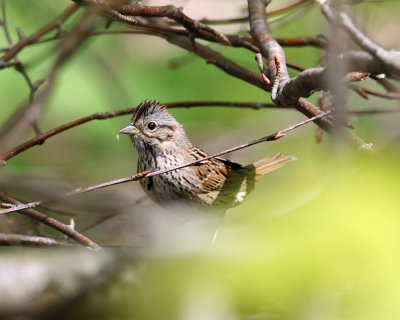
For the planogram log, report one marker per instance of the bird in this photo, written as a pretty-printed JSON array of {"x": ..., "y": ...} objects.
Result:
[{"x": 215, "y": 184}]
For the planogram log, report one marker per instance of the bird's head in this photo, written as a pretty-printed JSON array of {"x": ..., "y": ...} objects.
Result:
[{"x": 153, "y": 126}]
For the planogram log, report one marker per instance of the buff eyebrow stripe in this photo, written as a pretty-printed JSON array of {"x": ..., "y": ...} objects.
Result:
[{"x": 167, "y": 126}]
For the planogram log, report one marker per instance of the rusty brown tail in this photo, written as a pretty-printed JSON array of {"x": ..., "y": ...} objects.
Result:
[{"x": 271, "y": 163}]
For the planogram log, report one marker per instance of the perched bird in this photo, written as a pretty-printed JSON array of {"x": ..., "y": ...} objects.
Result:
[{"x": 162, "y": 143}]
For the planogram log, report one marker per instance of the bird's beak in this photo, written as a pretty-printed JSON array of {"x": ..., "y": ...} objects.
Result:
[{"x": 129, "y": 129}]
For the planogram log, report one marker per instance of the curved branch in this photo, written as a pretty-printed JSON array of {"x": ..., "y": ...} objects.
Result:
[
  {"x": 170, "y": 12},
  {"x": 213, "y": 57},
  {"x": 269, "y": 47}
]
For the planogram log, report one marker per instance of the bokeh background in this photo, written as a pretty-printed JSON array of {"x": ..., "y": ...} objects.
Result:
[{"x": 318, "y": 239}]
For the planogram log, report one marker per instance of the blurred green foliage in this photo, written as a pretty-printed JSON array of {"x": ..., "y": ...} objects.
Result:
[{"x": 329, "y": 252}]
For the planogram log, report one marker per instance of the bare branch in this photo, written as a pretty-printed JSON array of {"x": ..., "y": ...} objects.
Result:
[
  {"x": 51, "y": 222},
  {"x": 269, "y": 48},
  {"x": 245, "y": 19},
  {"x": 106, "y": 115},
  {"x": 21, "y": 240},
  {"x": 364, "y": 92},
  {"x": 318, "y": 41},
  {"x": 371, "y": 112},
  {"x": 390, "y": 59},
  {"x": 146, "y": 174},
  {"x": 172, "y": 12},
  {"x": 28, "y": 113},
  {"x": 217, "y": 59},
  {"x": 36, "y": 35},
  {"x": 3, "y": 22}
]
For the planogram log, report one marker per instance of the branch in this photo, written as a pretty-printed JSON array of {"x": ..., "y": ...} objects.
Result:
[
  {"x": 51, "y": 222},
  {"x": 304, "y": 85},
  {"x": 33, "y": 38},
  {"x": 390, "y": 59},
  {"x": 318, "y": 41},
  {"x": 269, "y": 48},
  {"x": 316, "y": 79},
  {"x": 28, "y": 113},
  {"x": 148, "y": 29},
  {"x": 277, "y": 70},
  {"x": 21, "y": 240},
  {"x": 39, "y": 139},
  {"x": 3, "y": 23},
  {"x": 220, "y": 61},
  {"x": 172, "y": 12},
  {"x": 364, "y": 92},
  {"x": 371, "y": 111},
  {"x": 246, "y": 18},
  {"x": 146, "y": 174},
  {"x": 18, "y": 65},
  {"x": 310, "y": 110}
]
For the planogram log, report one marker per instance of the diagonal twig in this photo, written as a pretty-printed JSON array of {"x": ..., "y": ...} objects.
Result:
[
  {"x": 29, "y": 112},
  {"x": 36, "y": 35},
  {"x": 146, "y": 174},
  {"x": 51, "y": 222},
  {"x": 111, "y": 114}
]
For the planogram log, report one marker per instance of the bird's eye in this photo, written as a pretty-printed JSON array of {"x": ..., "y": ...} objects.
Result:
[{"x": 151, "y": 125}]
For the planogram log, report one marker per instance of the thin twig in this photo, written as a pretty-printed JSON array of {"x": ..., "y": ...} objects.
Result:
[
  {"x": 106, "y": 115},
  {"x": 36, "y": 35},
  {"x": 236, "y": 41},
  {"x": 19, "y": 66},
  {"x": 29, "y": 112},
  {"x": 245, "y": 19},
  {"x": 51, "y": 222},
  {"x": 110, "y": 216},
  {"x": 20, "y": 240},
  {"x": 4, "y": 23},
  {"x": 146, "y": 174},
  {"x": 295, "y": 66},
  {"x": 318, "y": 41},
  {"x": 276, "y": 82},
  {"x": 170, "y": 11},
  {"x": 262, "y": 69},
  {"x": 371, "y": 111},
  {"x": 364, "y": 92}
]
